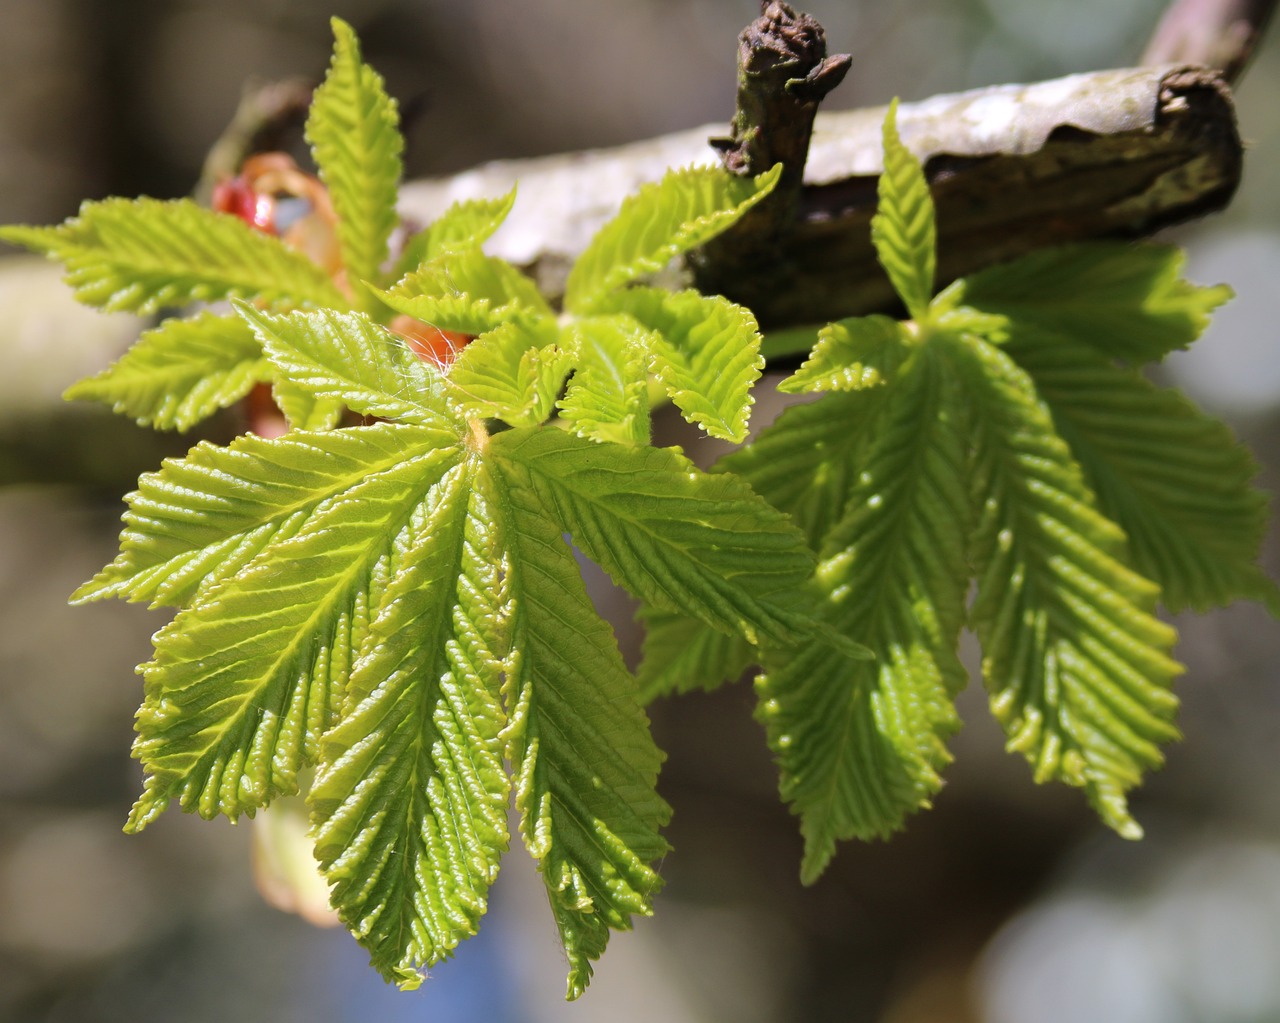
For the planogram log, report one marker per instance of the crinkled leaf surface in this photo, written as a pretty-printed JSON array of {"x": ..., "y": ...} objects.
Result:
[
  {"x": 354, "y": 132},
  {"x": 242, "y": 682},
  {"x": 578, "y": 741},
  {"x": 465, "y": 224},
  {"x": 682, "y": 654},
  {"x": 180, "y": 372},
  {"x": 409, "y": 807},
  {"x": 685, "y": 209},
  {"x": 706, "y": 352},
  {"x": 1077, "y": 665},
  {"x": 141, "y": 255},
  {"x": 860, "y": 742},
  {"x": 669, "y": 533},
  {"x": 851, "y": 355},
  {"x": 902, "y": 229},
  {"x": 348, "y": 358},
  {"x": 508, "y": 374},
  {"x": 608, "y": 394},
  {"x": 469, "y": 292}
]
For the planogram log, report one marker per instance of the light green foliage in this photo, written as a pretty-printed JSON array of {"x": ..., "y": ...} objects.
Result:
[
  {"x": 501, "y": 375},
  {"x": 463, "y": 225},
  {"x": 685, "y": 209},
  {"x": 180, "y": 372},
  {"x": 396, "y": 604},
  {"x": 141, "y": 255},
  {"x": 354, "y": 132},
  {"x": 903, "y": 229},
  {"x": 993, "y": 437}
]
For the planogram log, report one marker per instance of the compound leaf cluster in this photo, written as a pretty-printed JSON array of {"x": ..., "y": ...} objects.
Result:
[{"x": 388, "y": 593}]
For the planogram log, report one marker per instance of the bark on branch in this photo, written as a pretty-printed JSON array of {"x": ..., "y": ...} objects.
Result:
[{"x": 1013, "y": 168}]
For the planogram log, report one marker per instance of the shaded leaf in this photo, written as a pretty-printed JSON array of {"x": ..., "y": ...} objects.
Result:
[
  {"x": 852, "y": 355},
  {"x": 903, "y": 230},
  {"x": 860, "y": 742},
  {"x": 1127, "y": 301},
  {"x": 1077, "y": 666},
  {"x": 1174, "y": 479}
]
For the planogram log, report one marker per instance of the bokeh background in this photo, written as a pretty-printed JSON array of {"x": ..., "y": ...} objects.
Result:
[{"x": 1005, "y": 904}]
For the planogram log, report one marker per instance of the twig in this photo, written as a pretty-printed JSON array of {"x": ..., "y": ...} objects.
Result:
[{"x": 1219, "y": 34}]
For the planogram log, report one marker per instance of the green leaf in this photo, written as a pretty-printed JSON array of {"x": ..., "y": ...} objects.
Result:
[
  {"x": 706, "y": 352},
  {"x": 409, "y": 806},
  {"x": 852, "y": 355},
  {"x": 354, "y": 133},
  {"x": 466, "y": 224},
  {"x": 806, "y": 462},
  {"x": 579, "y": 743},
  {"x": 471, "y": 293},
  {"x": 203, "y": 518},
  {"x": 507, "y": 374},
  {"x": 305, "y": 411},
  {"x": 608, "y": 394},
  {"x": 1175, "y": 480},
  {"x": 1127, "y": 301},
  {"x": 180, "y": 372},
  {"x": 681, "y": 655},
  {"x": 667, "y": 532},
  {"x": 860, "y": 742},
  {"x": 903, "y": 230},
  {"x": 246, "y": 679},
  {"x": 1077, "y": 666},
  {"x": 348, "y": 358},
  {"x": 141, "y": 255},
  {"x": 687, "y": 208}
]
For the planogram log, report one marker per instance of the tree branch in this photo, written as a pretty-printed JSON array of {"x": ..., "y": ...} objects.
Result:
[{"x": 1013, "y": 168}]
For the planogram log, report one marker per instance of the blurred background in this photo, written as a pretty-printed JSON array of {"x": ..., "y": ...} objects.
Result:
[{"x": 1005, "y": 904}]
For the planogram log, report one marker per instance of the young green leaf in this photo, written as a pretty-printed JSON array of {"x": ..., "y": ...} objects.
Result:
[
  {"x": 244, "y": 681},
  {"x": 903, "y": 229},
  {"x": 346, "y": 357},
  {"x": 354, "y": 132},
  {"x": 579, "y": 743},
  {"x": 304, "y": 410},
  {"x": 1172, "y": 478},
  {"x": 859, "y": 742},
  {"x": 682, "y": 654},
  {"x": 507, "y": 374},
  {"x": 470, "y": 292},
  {"x": 608, "y": 394},
  {"x": 1077, "y": 666},
  {"x": 409, "y": 805},
  {"x": 669, "y": 533},
  {"x": 203, "y": 518},
  {"x": 464, "y": 225},
  {"x": 706, "y": 352},
  {"x": 180, "y": 373},
  {"x": 1127, "y": 301},
  {"x": 806, "y": 462},
  {"x": 852, "y": 355},
  {"x": 687, "y": 208},
  {"x": 142, "y": 255}
]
